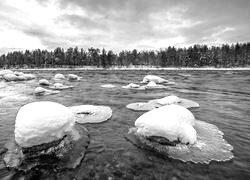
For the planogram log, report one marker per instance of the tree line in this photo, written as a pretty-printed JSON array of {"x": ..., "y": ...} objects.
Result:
[{"x": 235, "y": 55}]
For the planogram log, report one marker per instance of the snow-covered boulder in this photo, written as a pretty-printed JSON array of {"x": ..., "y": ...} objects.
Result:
[
  {"x": 151, "y": 84},
  {"x": 39, "y": 91},
  {"x": 42, "y": 122},
  {"x": 172, "y": 122},
  {"x": 29, "y": 76},
  {"x": 21, "y": 78},
  {"x": 44, "y": 82},
  {"x": 169, "y": 100},
  {"x": 5, "y": 71},
  {"x": 73, "y": 77},
  {"x": 154, "y": 78},
  {"x": 59, "y": 76},
  {"x": 18, "y": 73},
  {"x": 10, "y": 77},
  {"x": 131, "y": 86},
  {"x": 60, "y": 86},
  {"x": 108, "y": 86}
]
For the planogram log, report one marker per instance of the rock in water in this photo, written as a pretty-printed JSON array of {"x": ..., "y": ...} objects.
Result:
[
  {"x": 6, "y": 71},
  {"x": 42, "y": 122},
  {"x": 131, "y": 86},
  {"x": 169, "y": 100},
  {"x": 156, "y": 103},
  {"x": 46, "y": 136},
  {"x": 60, "y": 86},
  {"x": 73, "y": 77},
  {"x": 205, "y": 144},
  {"x": 108, "y": 86},
  {"x": 172, "y": 122},
  {"x": 156, "y": 79},
  {"x": 10, "y": 77},
  {"x": 59, "y": 76},
  {"x": 18, "y": 73},
  {"x": 29, "y": 76},
  {"x": 44, "y": 82},
  {"x": 39, "y": 91}
]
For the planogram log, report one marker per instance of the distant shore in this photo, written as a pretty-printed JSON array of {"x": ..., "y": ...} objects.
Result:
[{"x": 135, "y": 68}]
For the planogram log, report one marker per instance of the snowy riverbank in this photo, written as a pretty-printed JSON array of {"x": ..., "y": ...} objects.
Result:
[{"x": 139, "y": 68}]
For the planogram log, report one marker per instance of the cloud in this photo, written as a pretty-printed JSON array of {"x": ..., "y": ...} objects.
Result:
[{"x": 123, "y": 24}]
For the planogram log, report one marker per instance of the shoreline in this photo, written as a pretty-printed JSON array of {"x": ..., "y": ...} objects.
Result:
[{"x": 134, "y": 68}]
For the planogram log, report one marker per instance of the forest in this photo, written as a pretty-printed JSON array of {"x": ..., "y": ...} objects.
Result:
[{"x": 235, "y": 55}]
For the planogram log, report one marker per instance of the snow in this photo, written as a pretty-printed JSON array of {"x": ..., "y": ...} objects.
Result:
[
  {"x": 169, "y": 100},
  {"x": 151, "y": 84},
  {"x": 43, "y": 91},
  {"x": 108, "y": 86},
  {"x": 10, "y": 77},
  {"x": 131, "y": 85},
  {"x": 59, "y": 76},
  {"x": 72, "y": 77},
  {"x": 5, "y": 71},
  {"x": 42, "y": 122},
  {"x": 153, "y": 78},
  {"x": 173, "y": 122},
  {"x": 29, "y": 76},
  {"x": 44, "y": 82}
]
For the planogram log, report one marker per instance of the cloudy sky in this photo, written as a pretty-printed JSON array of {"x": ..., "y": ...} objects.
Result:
[{"x": 121, "y": 24}]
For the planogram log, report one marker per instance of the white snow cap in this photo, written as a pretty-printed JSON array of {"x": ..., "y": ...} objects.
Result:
[
  {"x": 59, "y": 76},
  {"x": 169, "y": 100},
  {"x": 151, "y": 83},
  {"x": 44, "y": 82},
  {"x": 173, "y": 122},
  {"x": 154, "y": 78},
  {"x": 42, "y": 122}
]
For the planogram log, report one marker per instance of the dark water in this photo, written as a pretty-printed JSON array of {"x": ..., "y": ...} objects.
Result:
[{"x": 224, "y": 98}]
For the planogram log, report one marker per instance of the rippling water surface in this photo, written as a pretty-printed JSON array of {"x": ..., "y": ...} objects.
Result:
[{"x": 224, "y": 98}]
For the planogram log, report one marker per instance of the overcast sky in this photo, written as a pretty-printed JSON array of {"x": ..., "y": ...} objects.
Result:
[{"x": 121, "y": 24}]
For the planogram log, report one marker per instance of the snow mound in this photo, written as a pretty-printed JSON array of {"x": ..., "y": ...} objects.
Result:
[
  {"x": 169, "y": 100},
  {"x": 42, "y": 122},
  {"x": 42, "y": 91},
  {"x": 156, "y": 79},
  {"x": 131, "y": 85},
  {"x": 59, "y": 76},
  {"x": 108, "y": 86},
  {"x": 172, "y": 122},
  {"x": 44, "y": 82},
  {"x": 73, "y": 77}
]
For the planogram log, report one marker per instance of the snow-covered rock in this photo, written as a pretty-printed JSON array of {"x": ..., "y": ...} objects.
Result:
[
  {"x": 29, "y": 76},
  {"x": 108, "y": 86},
  {"x": 131, "y": 85},
  {"x": 60, "y": 86},
  {"x": 73, "y": 77},
  {"x": 59, "y": 76},
  {"x": 154, "y": 78},
  {"x": 44, "y": 82},
  {"x": 10, "y": 77},
  {"x": 42, "y": 122},
  {"x": 5, "y": 71},
  {"x": 172, "y": 122},
  {"x": 151, "y": 84},
  {"x": 169, "y": 100},
  {"x": 18, "y": 73},
  {"x": 21, "y": 78},
  {"x": 42, "y": 91}
]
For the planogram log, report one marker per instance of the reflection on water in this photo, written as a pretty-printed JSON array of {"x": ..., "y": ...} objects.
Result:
[{"x": 224, "y": 100}]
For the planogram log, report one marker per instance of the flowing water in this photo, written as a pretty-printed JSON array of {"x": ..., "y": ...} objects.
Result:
[{"x": 224, "y": 98}]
